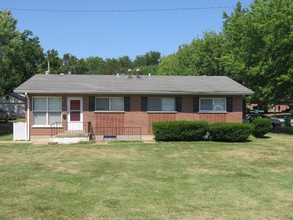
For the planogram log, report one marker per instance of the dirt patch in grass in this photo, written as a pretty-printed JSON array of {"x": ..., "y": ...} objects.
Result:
[
  {"x": 200, "y": 171},
  {"x": 288, "y": 170},
  {"x": 243, "y": 155},
  {"x": 67, "y": 170}
]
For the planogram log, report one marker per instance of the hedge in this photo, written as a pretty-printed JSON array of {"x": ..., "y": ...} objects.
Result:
[
  {"x": 261, "y": 127},
  {"x": 180, "y": 130},
  {"x": 230, "y": 131}
]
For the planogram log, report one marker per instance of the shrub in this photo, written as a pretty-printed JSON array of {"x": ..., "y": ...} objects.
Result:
[
  {"x": 230, "y": 131},
  {"x": 180, "y": 130},
  {"x": 261, "y": 127}
]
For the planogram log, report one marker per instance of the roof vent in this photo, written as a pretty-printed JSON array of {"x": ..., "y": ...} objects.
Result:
[
  {"x": 62, "y": 74},
  {"x": 118, "y": 75},
  {"x": 138, "y": 73},
  {"x": 129, "y": 73},
  {"x": 149, "y": 74}
]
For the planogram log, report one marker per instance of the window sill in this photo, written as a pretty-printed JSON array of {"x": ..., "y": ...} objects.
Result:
[
  {"x": 162, "y": 112},
  {"x": 46, "y": 126},
  {"x": 212, "y": 112},
  {"x": 111, "y": 112}
]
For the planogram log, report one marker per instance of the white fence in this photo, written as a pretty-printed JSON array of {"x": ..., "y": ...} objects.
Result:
[{"x": 19, "y": 131}]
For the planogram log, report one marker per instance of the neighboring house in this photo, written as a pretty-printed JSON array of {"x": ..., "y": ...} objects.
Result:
[
  {"x": 281, "y": 107},
  {"x": 110, "y": 101},
  {"x": 13, "y": 102}
]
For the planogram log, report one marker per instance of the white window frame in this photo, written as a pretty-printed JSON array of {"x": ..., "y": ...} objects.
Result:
[
  {"x": 213, "y": 99},
  {"x": 47, "y": 111},
  {"x": 161, "y": 110},
  {"x": 110, "y": 104}
]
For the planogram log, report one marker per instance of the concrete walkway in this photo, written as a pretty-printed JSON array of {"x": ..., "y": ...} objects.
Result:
[{"x": 46, "y": 140}]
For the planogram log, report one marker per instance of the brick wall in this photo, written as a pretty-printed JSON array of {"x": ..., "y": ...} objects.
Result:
[{"x": 136, "y": 118}]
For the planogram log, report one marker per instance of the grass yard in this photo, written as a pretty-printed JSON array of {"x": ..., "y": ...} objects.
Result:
[{"x": 132, "y": 180}]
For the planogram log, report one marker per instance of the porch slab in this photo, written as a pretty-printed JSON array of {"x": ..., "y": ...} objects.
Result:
[
  {"x": 71, "y": 135},
  {"x": 68, "y": 140}
]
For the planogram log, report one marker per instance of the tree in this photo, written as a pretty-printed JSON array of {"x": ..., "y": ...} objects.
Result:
[
  {"x": 112, "y": 66},
  {"x": 124, "y": 63},
  {"x": 207, "y": 61},
  {"x": 201, "y": 57},
  {"x": 32, "y": 56},
  {"x": 72, "y": 65},
  {"x": 9, "y": 39},
  {"x": 20, "y": 54},
  {"x": 168, "y": 65},
  {"x": 94, "y": 65},
  {"x": 54, "y": 61},
  {"x": 259, "y": 48},
  {"x": 149, "y": 59}
]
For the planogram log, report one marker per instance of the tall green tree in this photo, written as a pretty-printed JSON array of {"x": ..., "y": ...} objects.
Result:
[
  {"x": 149, "y": 59},
  {"x": 259, "y": 48},
  {"x": 94, "y": 65},
  {"x": 52, "y": 61},
  {"x": 69, "y": 64},
  {"x": 20, "y": 54},
  {"x": 207, "y": 60},
  {"x": 112, "y": 66},
  {"x": 124, "y": 63},
  {"x": 72, "y": 65},
  {"x": 32, "y": 56},
  {"x": 168, "y": 65},
  {"x": 201, "y": 57}
]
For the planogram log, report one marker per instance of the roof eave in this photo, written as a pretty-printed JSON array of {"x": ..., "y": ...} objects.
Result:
[{"x": 135, "y": 92}]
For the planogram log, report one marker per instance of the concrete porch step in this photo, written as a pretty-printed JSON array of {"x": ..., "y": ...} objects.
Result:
[{"x": 71, "y": 134}]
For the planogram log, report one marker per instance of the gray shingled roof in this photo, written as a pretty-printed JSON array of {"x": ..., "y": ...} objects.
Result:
[{"x": 112, "y": 84}]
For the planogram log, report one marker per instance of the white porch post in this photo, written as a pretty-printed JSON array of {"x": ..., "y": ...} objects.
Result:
[{"x": 28, "y": 117}]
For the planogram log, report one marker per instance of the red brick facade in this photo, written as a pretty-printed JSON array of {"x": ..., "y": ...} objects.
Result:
[{"x": 135, "y": 117}]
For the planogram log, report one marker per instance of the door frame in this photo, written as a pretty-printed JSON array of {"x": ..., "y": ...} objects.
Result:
[{"x": 68, "y": 109}]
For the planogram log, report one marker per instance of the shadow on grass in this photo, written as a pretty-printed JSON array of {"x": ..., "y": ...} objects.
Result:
[
  {"x": 282, "y": 130},
  {"x": 265, "y": 137},
  {"x": 6, "y": 128}
]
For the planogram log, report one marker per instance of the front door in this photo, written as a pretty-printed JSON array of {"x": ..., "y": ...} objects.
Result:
[{"x": 75, "y": 116}]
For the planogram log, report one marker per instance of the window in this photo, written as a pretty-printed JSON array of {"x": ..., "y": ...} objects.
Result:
[
  {"x": 161, "y": 104},
  {"x": 46, "y": 110},
  {"x": 212, "y": 105},
  {"x": 110, "y": 104}
]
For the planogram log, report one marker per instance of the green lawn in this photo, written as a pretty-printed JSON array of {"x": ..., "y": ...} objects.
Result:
[{"x": 132, "y": 180}]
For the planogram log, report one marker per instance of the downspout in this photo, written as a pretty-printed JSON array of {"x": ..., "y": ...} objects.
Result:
[{"x": 28, "y": 117}]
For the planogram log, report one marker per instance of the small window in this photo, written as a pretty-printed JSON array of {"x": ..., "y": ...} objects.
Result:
[
  {"x": 161, "y": 104},
  {"x": 110, "y": 104},
  {"x": 212, "y": 105}
]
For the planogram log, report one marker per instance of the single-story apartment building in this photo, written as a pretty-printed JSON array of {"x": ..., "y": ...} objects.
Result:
[{"x": 70, "y": 102}]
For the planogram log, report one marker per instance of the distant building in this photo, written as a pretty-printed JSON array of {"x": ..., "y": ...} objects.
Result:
[{"x": 13, "y": 102}]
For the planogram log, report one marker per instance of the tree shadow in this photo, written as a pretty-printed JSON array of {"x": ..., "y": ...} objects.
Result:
[
  {"x": 282, "y": 130},
  {"x": 265, "y": 137},
  {"x": 6, "y": 128}
]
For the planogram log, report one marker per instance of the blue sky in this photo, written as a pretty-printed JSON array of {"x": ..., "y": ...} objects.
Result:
[{"x": 112, "y": 35}]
